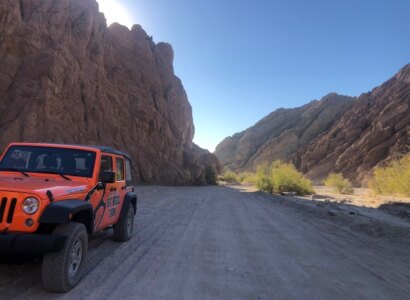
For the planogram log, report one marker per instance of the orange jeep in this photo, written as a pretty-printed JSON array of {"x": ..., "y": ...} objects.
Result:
[{"x": 52, "y": 196}]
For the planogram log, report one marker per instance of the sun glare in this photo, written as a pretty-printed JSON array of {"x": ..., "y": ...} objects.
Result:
[{"x": 115, "y": 11}]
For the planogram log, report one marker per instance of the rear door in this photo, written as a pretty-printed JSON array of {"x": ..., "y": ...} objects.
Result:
[{"x": 117, "y": 197}]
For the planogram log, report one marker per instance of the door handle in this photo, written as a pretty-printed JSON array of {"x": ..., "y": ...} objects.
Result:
[
  {"x": 113, "y": 189},
  {"x": 123, "y": 187}
]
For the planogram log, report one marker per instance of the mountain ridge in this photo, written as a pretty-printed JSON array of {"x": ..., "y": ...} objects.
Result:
[
  {"x": 372, "y": 130},
  {"x": 284, "y": 126}
]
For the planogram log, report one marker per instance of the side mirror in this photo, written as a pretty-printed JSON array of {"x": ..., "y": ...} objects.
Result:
[{"x": 107, "y": 177}]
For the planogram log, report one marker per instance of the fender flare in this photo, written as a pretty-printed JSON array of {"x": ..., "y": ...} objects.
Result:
[
  {"x": 62, "y": 212},
  {"x": 129, "y": 198}
]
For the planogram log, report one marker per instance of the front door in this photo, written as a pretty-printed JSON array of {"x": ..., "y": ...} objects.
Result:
[
  {"x": 100, "y": 199},
  {"x": 108, "y": 207}
]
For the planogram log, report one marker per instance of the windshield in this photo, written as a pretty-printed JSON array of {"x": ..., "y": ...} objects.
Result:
[{"x": 34, "y": 159}]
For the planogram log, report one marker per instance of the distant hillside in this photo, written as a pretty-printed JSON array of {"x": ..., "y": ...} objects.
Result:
[
  {"x": 335, "y": 134},
  {"x": 375, "y": 129},
  {"x": 281, "y": 134}
]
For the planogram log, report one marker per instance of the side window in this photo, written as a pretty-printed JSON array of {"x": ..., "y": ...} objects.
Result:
[
  {"x": 106, "y": 164},
  {"x": 119, "y": 174},
  {"x": 128, "y": 176}
]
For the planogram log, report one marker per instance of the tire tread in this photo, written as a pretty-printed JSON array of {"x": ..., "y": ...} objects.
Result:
[{"x": 54, "y": 274}]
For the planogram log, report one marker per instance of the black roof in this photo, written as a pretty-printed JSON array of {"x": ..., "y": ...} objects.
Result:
[{"x": 108, "y": 150}]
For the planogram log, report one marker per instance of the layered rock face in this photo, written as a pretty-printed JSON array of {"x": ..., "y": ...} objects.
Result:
[
  {"x": 281, "y": 134},
  {"x": 336, "y": 134},
  {"x": 374, "y": 130},
  {"x": 67, "y": 78}
]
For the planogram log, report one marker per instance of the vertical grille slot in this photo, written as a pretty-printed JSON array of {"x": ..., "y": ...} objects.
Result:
[
  {"x": 2, "y": 208},
  {"x": 11, "y": 210}
]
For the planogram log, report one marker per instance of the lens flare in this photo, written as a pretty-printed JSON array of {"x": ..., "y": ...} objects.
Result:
[{"x": 115, "y": 11}]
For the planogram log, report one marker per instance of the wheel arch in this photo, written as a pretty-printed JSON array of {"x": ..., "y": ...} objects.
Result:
[
  {"x": 129, "y": 198},
  {"x": 72, "y": 210}
]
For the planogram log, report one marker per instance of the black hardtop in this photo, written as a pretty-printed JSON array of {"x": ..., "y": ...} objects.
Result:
[{"x": 108, "y": 150}]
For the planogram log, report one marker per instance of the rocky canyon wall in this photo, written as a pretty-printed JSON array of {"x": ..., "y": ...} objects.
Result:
[{"x": 66, "y": 77}]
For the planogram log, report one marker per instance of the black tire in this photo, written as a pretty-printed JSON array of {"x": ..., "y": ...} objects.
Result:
[
  {"x": 124, "y": 228},
  {"x": 62, "y": 270}
]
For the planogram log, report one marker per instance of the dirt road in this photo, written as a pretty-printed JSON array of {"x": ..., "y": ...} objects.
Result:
[{"x": 220, "y": 243}]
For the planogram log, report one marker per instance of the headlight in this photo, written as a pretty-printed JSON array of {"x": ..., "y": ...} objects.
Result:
[{"x": 31, "y": 205}]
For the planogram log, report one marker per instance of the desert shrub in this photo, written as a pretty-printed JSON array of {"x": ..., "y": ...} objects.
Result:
[
  {"x": 392, "y": 179},
  {"x": 264, "y": 185},
  {"x": 277, "y": 177},
  {"x": 247, "y": 177},
  {"x": 282, "y": 177},
  {"x": 230, "y": 176},
  {"x": 338, "y": 182},
  {"x": 262, "y": 175},
  {"x": 286, "y": 178},
  {"x": 241, "y": 176}
]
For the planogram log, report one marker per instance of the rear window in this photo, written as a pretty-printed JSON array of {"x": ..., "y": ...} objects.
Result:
[
  {"x": 119, "y": 174},
  {"x": 128, "y": 176}
]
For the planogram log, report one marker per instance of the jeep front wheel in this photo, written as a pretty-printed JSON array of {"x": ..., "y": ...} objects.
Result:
[
  {"x": 125, "y": 226},
  {"x": 61, "y": 270}
]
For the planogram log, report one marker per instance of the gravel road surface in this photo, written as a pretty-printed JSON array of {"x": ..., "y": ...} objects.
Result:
[{"x": 223, "y": 243}]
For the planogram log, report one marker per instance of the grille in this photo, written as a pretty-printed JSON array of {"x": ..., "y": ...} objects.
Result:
[{"x": 7, "y": 214}]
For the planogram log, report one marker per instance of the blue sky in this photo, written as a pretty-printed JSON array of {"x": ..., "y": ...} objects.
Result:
[{"x": 240, "y": 60}]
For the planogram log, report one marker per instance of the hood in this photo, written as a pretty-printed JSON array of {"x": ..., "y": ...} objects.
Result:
[{"x": 40, "y": 186}]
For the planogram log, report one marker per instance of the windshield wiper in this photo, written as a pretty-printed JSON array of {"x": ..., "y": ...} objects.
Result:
[
  {"x": 15, "y": 170},
  {"x": 61, "y": 174}
]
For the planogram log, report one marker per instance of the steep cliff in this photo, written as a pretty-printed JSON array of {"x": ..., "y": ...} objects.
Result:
[
  {"x": 65, "y": 77},
  {"x": 280, "y": 134},
  {"x": 374, "y": 130}
]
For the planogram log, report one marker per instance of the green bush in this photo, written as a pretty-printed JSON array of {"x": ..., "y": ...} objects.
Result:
[
  {"x": 264, "y": 185},
  {"x": 278, "y": 177},
  {"x": 247, "y": 177},
  {"x": 244, "y": 177},
  {"x": 338, "y": 182},
  {"x": 392, "y": 179},
  {"x": 263, "y": 182},
  {"x": 230, "y": 176},
  {"x": 282, "y": 177}
]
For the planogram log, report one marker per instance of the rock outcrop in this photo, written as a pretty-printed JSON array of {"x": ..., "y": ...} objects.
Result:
[
  {"x": 67, "y": 78},
  {"x": 374, "y": 130},
  {"x": 281, "y": 134}
]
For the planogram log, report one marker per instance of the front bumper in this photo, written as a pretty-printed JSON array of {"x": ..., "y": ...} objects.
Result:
[{"x": 12, "y": 242}]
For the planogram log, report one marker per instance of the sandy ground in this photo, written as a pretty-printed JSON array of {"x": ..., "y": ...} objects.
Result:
[
  {"x": 360, "y": 197},
  {"x": 230, "y": 243},
  {"x": 362, "y": 201}
]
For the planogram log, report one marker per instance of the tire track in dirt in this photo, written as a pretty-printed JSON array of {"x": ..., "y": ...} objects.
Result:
[
  {"x": 336, "y": 238},
  {"x": 219, "y": 243}
]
